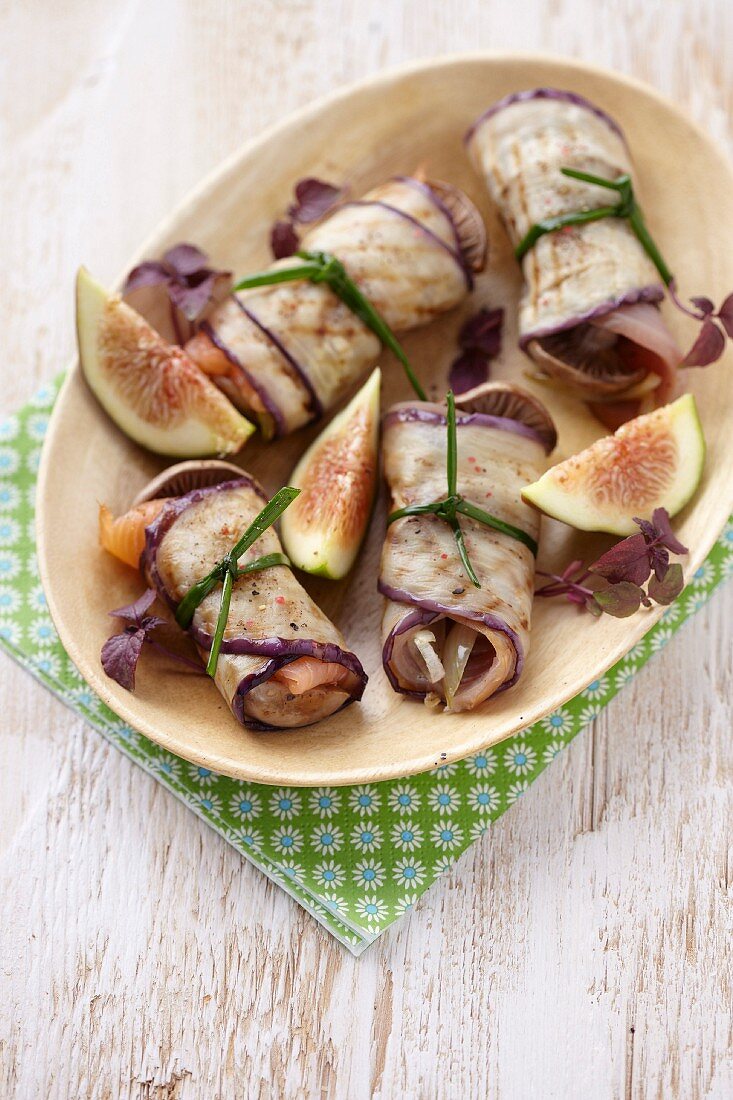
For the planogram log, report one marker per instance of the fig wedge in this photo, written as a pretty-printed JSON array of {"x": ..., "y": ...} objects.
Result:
[
  {"x": 653, "y": 461},
  {"x": 151, "y": 389},
  {"x": 323, "y": 528}
]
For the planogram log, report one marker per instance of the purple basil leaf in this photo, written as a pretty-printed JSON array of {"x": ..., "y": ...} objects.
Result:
[
  {"x": 186, "y": 259},
  {"x": 628, "y": 560},
  {"x": 284, "y": 241},
  {"x": 659, "y": 561},
  {"x": 313, "y": 198},
  {"x": 664, "y": 532},
  {"x": 120, "y": 655},
  {"x": 483, "y": 332},
  {"x": 666, "y": 590},
  {"x": 725, "y": 315},
  {"x": 150, "y": 273},
  {"x": 193, "y": 299},
  {"x": 135, "y": 612},
  {"x": 704, "y": 305},
  {"x": 469, "y": 370},
  {"x": 619, "y": 600},
  {"x": 708, "y": 347},
  {"x": 594, "y": 607}
]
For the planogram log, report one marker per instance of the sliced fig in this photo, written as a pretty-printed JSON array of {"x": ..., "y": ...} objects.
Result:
[
  {"x": 510, "y": 401},
  {"x": 151, "y": 389},
  {"x": 323, "y": 528},
  {"x": 654, "y": 461},
  {"x": 469, "y": 224}
]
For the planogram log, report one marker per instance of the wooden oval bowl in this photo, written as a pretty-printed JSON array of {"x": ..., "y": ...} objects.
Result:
[{"x": 392, "y": 124}]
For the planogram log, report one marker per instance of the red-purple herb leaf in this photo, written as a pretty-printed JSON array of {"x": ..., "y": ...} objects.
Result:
[
  {"x": 313, "y": 198},
  {"x": 480, "y": 342},
  {"x": 284, "y": 241},
  {"x": 483, "y": 332},
  {"x": 660, "y": 530},
  {"x": 469, "y": 370},
  {"x": 120, "y": 655},
  {"x": 135, "y": 612},
  {"x": 667, "y": 588},
  {"x": 705, "y": 306},
  {"x": 708, "y": 347},
  {"x": 185, "y": 259},
  {"x": 620, "y": 600},
  {"x": 628, "y": 560},
  {"x": 174, "y": 293},
  {"x": 725, "y": 315}
]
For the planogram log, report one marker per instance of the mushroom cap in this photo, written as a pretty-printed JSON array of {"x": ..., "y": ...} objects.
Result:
[
  {"x": 185, "y": 476},
  {"x": 511, "y": 401},
  {"x": 469, "y": 224}
]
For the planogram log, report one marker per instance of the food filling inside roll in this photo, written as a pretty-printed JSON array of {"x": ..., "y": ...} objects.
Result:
[{"x": 450, "y": 660}]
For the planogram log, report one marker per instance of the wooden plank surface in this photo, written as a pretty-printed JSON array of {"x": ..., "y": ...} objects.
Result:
[{"x": 584, "y": 947}]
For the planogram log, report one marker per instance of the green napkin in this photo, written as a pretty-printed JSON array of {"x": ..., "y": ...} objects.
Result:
[{"x": 355, "y": 857}]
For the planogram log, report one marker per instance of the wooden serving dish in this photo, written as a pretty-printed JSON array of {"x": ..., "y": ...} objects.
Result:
[{"x": 388, "y": 125}]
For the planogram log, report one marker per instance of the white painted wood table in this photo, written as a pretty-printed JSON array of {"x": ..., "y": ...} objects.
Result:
[{"x": 584, "y": 948}]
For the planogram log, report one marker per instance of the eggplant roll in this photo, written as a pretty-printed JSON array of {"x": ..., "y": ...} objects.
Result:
[
  {"x": 286, "y": 353},
  {"x": 443, "y": 637},
  {"x": 282, "y": 662},
  {"x": 589, "y": 313}
]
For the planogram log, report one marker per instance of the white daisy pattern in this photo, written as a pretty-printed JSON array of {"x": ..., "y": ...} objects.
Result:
[
  {"x": 285, "y": 804},
  {"x": 515, "y": 791},
  {"x": 8, "y": 429},
  {"x": 409, "y": 872},
  {"x": 324, "y": 801},
  {"x": 596, "y": 689},
  {"x": 481, "y": 764},
  {"x": 9, "y": 461},
  {"x": 484, "y": 799},
  {"x": 406, "y": 902},
  {"x": 372, "y": 909},
  {"x": 444, "y": 798},
  {"x": 445, "y": 770},
  {"x": 407, "y": 835},
  {"x": 43, "y": 632},
  {"x": 201, "y": 776},
  {"x": 9, "y": 496},
  {"x": 9, "y": 565},
  {"x": 588, "y": 715},
  {"x": 210, "y": 802},
  {"x": 167, "y": 765},
  {"x": 404, "y": 798},
  {"x": 368, "y": 873},
  {"x": 446, "y": 835},
  {"x": 10, "y": 631},
  {"x": 366, "y": 837},
  {"x": 9, "y": 531},
  {"x": 10, "y": 600},
  {"x": 329, "y": 874},
  {"x": 551, "y": 749},
  {"x": 245, "y": 804},
  {"x": 287, "y": 840},
  {"x": 327, "y": 838},
  {"x": 519, "y": 759},
  {"x": 293, "y": 870},
  {"x": 249, "y": 838},
  {"x": 365, "y": 799},
  {"x": 557, "y": 722},
  {"x": 478, "y": 829}
]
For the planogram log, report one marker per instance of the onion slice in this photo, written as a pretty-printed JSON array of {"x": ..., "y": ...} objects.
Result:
[
  {"x": 456, "y": 651},
  {"x": 425, "y": 643}
]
